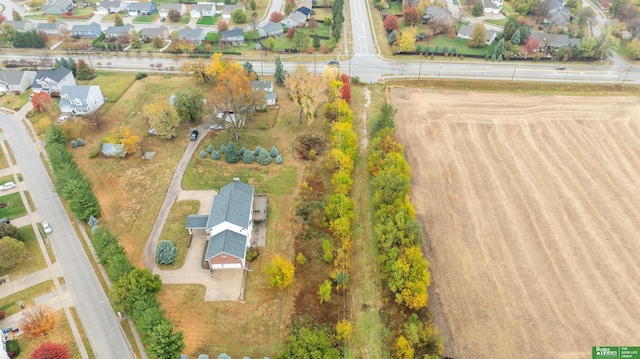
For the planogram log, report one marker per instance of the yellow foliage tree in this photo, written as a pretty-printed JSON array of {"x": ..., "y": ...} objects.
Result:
[
  {"x": 37, "y": 321},
  {"x": 403, "y": 348},
  {"x": 478, "y": 36},
  {"x": 407, "y": 40},
  {"x": 344, "y": 328},
  {"x": 216, "y": 66},
  {"x": 196, "y": 68},
  {"x": 162, "y": 118},
  {"x": 124, "y": 136},
  {"x": 308, "y": 91},
  {"x": 280, "y": 272}
]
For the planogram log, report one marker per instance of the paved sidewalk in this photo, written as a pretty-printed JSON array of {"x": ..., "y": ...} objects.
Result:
[
  {"x": 29, "y": 280},
  {"x": 56, "y": 300}
]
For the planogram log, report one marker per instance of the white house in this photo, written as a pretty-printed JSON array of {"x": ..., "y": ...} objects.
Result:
[
  {"x": 228, "y": 9},
  {"x": 203, "y": 9},
  {"x": 267, "y": 88},
  {"x": 3, "y": 346},
  {"x": 52, "y": 81},
  {"x": 294, "y": 19},
  {"x": 465, "y": 32},
  {"x": 16, "y": 81},
  {"x": 492, "y": 6},
  {"x": 111, "y": 7},
  {"x": 80, "y": 100},
  {"x": 164, "y": 9}
]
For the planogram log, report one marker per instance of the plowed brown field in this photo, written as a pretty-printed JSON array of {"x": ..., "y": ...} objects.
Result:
[{"x": 532, "y": 206}]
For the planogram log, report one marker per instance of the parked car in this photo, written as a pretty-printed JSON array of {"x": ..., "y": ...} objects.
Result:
[
  {"x": 5, "y": 220},
  {"x": 216, "y": 127},
  {"x": 194, "y": 135},
  {"x": 333, "y": 62},
  {"x": 8, "y": 185},
  {"x": 162, "y": 19},
  {"x": 46, "y": 227},
  {"x": 62, "y": 119},
  {"x": 421, "y": 36},
  {"x": 561, "y": 67}
]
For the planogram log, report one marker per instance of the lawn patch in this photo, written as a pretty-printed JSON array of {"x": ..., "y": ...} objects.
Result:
[
  {"x": 13, "y": 101},
  {"x": 208, "y": 20},
  {"x": 15, "y": 208},
  {"x": 174, "y": 230},
  {"x": 112, "y": 84},
  {"x": 146, "y": 18},
  {"x": 61, "y": 333},
  {"x": 27, "y": 296},
  {"x": 35, "y": 259}
]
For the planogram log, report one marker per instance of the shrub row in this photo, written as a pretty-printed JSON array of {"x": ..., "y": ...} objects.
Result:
[
  {"x": 398, "y": 236},
  {"x": 233, "y": 155}
]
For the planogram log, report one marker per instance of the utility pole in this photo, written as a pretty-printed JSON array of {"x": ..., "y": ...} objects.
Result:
[
  {"x": 261, "y": 68},
  {"x": 314, "y": 64},
  {"x": 420, "y": 70},
  {"x": 514, "y": 71}
]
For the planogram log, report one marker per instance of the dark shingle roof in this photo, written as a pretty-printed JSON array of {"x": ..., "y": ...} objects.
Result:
[
  {"x": 228, "y": 242},
  {"x": 233, "y": 205},
  {"x": 56, "y": 75},
  {"x": 11, "y": 77},
  {"x": 272, "y": 27},
  {"x": 150, "y": 31},
  {"x": 304, "y": 10},
  {"x": 236, "y": 32},
  {"x": 197, "y": 221}
]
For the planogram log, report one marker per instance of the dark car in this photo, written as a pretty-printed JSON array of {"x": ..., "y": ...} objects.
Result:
[
  {"x": 162, "y": 19},
  {"x": 421, "y": 36},
  {"x": 561, "y": 67},
  {"x": 333, "y": 62},
  {"x": 194, "y": 135},
  {"x": 5, "y": 220}
]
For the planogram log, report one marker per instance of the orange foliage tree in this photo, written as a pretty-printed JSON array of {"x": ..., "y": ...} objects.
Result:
[
  {"x": 42, "y": 101},
  {"x": 37, "y": 321},
  {"x": 51, "y": 351}
]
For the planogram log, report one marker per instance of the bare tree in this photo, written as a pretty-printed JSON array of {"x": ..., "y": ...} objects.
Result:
[{"x": 95, "y": 119}]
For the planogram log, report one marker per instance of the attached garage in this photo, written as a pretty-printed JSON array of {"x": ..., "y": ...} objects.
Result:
[{"x": 226, "y": 250}]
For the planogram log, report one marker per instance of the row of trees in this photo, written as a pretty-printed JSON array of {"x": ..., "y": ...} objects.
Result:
[
  {"x": 337, "y": 12},
  {"x": 398, "y": 236}
]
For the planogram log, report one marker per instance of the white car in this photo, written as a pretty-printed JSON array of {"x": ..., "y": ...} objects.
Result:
[
  {"x": 46, "y": 227},
  {"x": 8, "y": 185},
  {"x": 63, "y": 119}
]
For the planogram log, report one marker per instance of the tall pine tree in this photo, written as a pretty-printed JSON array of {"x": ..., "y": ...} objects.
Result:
[{"x": 279, "y": 74}]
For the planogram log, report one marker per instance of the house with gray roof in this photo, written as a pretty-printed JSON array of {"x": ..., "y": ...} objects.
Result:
[
  {"x": 271, "y": 29},
  {"x": 203, "y": 9},
  {"x": 559, "y": 15},
  {"x": 150, "y": 33},
  {"x": 266, "y": 87},
  {"x": 80, "y": 99},
  {"x": 229, "y": 225},
  {"x": 436, "y": 15},
  {"x": 492, "y": 6},
  {"x": 294, "y": 19},
  {"x": 21, "y": 26},
  {"x": 228, "y": 9},
  {"x": 234, "y": 36},
  {"x": 57, "y": 7},
  {"x": 164, "y": 8},
  {"x": 141, "y": 8},
  {"x": 111, "y": 7},
  {"x": 465, "y": 32},
  {"x": 52, "y": 81},
  {"x": 54, "y": 28},
  {"x": 195, "y": 36},
  {"x": 16, "y": 81},
  {"x": 550, "y": 41},
  {"x": 90, "y": 31},
  {"x": 119, "y": 31}
]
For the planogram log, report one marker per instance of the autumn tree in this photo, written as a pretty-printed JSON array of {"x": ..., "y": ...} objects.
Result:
[
  {"x": 308, "y": 91},
  {"x": 222, "y": 25},
  {"x": 51, "y": 19},
  {"x": 291, "y": 32},
  {"x": 174, "y": 15},
  {"x": 215, "y": 66},
  {"x": 391, "y": 23},
  {"x": 189, "y": 105},
  {"x": 345, "y": 90},
  {"x": 37, "y": 320},
  {"x": 407, "y": 40},
  {"x": 280, "y": 272},
  {"x": 403, "y": 348},
  {"x": 531, "y": 44},
  {"x": 127, "y": 138},
  {"x": 84, "y": 72},
  {"x": 478, "y": 36},
  {"x": 12, "y": 251},
  {"x": 51, "y": 351},
  {"x": 324, "y": 292},
  {"x": 276, "y": 17},
  {"x": 16, "y": 15},
  {"x": 117, "y": 20},
  {"x": 134, "y": 39},
  {"x": 634, "y": 48},
  {"x": 161, "y": 118},
  {"x": 41, "y": 101},
  {"x": 196, "y": 68},
  {"x": 313, "y": 24},
  {"x": 410, "y": 16}
]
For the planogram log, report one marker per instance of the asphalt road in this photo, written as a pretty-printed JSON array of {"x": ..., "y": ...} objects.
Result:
[{"x": 96, "y": 314}]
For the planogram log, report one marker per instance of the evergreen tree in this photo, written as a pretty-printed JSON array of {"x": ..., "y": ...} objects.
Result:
[
  {"x": 279, "y": 74},
  {"x": 516, "y": 38},
  {"x": 316, "y": 42},
  {"x": 231, "y": 154},
  {"x": 248, "y": 157}
]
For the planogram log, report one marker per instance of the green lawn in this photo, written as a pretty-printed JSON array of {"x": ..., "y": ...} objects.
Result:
[
  {"x": 35, "y": 259},
  {"x": 458, "y": 43},
  {"x": 112, "y": 84},
  {"x": 395, "y": 7},
  {"x": 9, "y": 305},
  {"x": 623, "y": 50},
  {"x": 15, "y": 209},
  {"x": 500, "y": 22},
  {"x": 146, "y": 18},
  {"x": 174, "y": 230},
  {"x": 186, "y": 18},
  {"x": 208, "y": 20},
  {"x": 14, "y": 101}
]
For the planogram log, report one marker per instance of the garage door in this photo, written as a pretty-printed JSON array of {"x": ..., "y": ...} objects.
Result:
[
  {"x": 232, "y": 265},
  {"x": 216, "y": 266}
]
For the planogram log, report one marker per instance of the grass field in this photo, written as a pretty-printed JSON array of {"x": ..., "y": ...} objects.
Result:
[
  {"x": 208, "y": 20},
  {"x": 9, "y": 303},
  {"x": 13, "y": 101},
  {"x": 146, "y": 18},
  {"x": 174, "y": 230},
  {"x": 3, "y": 162},
  {"x": 34, "y": 260},
  {"x": 112, "y": 84},
  {"x": 15, "y": 209},
  {"x": 527, "y": 212}
]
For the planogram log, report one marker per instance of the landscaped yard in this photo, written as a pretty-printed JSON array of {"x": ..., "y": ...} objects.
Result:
[
  {"x": 13, "y": 101},
  {"x": 174, "y": 230},
  {"x": 35, "y": 258},
  {"x": 458, "y": 43},
  {"x": 10, "y": 303},
  {"x": 60, "y": 334},
  {"x": 146, "y": 18},
  {"x": 15, "y": 207},
  {"x": 208, "y": 20}
]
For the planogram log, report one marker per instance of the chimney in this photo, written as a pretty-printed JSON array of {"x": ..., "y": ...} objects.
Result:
[{"x": 236, "y": 179}]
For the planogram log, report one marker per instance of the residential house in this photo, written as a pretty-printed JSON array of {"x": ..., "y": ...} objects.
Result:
[
  {"x": 234, "y": 36},
  {"x": 111, "y": 7},
  {"x": 294, "y": 19},
  {"x": 228, "y": 9},
  {"x": 267, "y": 88},
  {"x": 90, "y": 31},
  {"x": 202, "y": 9},
  {"x": 52, "y": 81},
  {"x": 305, "y": 3},
  {"x": 436, "y": 15},
  {"x": 195, "y": 36},
  {"x": 492, "y": 6},
  {"x": 550, "y": 41},
  {"x": 52, "y": 29},
  {"x": 119, "y": 32},
  {"x": 465, "y": 32},
  {"x": 3, "y": 346},
  {"x": 164, "y": 9},
  {"x": 229, "y": 225},
  {"x": 271, "y": 29},
  {"x": 16, "y": 81},
  {"x": 113, "y": 150},
  {"x": 141, "y": 8},
  {"x": 80, "y": 100},
  {"x": 559, "y": 15},
  {"x": 305, "y": 10},
  {"x": 21, "y": 26},
  {"x": 410, "y": 3},
  {"x": 57, "y": 7},
  {"x": 149, "y": 33}
]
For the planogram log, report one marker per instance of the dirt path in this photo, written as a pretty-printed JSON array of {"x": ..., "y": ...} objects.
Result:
[
  {"x": 531, "y": 205},
  {"x": 364, "y": 142}
]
